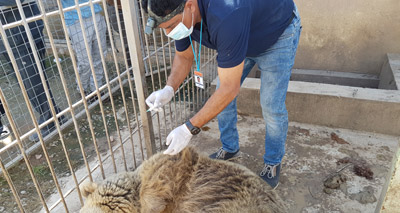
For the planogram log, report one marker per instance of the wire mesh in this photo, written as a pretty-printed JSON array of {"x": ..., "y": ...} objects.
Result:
[{"x": 72, "y": 101}]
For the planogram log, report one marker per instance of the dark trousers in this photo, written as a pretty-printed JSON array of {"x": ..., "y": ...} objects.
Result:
[
  {"x": 30, "y": 76},
  {"x": 114, "y": 25},
  {"x": 27, "y": 67},
  {"x": 1, "y": 113}
]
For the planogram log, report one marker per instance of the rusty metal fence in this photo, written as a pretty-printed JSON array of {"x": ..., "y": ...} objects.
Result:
[{"x": 65, "y": 129}]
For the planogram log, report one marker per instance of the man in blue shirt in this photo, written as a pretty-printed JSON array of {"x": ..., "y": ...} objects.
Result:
[
  {"x": 244, "y": 32},
  {"x": 27, "y": 66},
  {"x": 78, "y": 43}
]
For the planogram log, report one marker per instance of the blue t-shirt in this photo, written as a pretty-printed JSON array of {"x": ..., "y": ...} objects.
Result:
[
  {"x": 71, "y": 17},
  {"x": 240, "y": 28}
]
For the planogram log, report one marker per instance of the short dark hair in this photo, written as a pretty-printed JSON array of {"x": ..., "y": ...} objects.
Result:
[{"x": 161, "y": 7}]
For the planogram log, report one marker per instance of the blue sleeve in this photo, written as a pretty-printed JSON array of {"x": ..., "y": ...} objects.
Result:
[
  {"x": 182, "y": 45},
  {"x": 232, "y": 38},
  {"x": 9, "y": 2}
]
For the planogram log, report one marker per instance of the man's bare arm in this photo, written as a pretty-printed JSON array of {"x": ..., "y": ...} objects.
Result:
[
  {"x": 180, "y": 68},
  {"x": 229, "y": 88}
]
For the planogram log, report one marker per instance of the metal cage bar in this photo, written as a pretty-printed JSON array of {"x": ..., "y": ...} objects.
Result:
[{"x": 105, "y": 132}]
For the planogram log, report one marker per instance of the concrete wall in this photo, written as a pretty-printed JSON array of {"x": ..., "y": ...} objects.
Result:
[
  {"x": 348, "y": 35},
  {"x": 390, "y": 74},
  {"x": 349, "y": 107},
  {"x": 336, "y": 106}
]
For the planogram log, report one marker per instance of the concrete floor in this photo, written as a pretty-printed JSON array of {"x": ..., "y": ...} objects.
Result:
[
  {"x": 391, "y": 202},
  {"x": 311, "y": 156}
]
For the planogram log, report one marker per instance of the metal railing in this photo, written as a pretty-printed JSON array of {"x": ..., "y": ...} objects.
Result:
[{"x": 93, "y": 133}]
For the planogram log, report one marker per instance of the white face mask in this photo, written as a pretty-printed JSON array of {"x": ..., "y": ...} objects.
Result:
[{"x": 180, "y": 31}]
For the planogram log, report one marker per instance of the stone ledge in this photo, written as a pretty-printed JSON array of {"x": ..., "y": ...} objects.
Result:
[
  {"x": 390, "y": 73},
  {"x": 364, "y": 109},
  {"x": 355, "y": 108}
]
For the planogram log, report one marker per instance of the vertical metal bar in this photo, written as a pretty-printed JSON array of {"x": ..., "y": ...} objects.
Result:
[
  {"x": 206, "y": 71},
  {"x": 20, "y": 81},
  {"x": 195, "y": 88},
  {"x": 20, "y": 145},
  {"x": 137, "y": 120},
  {"x": 108, "y": 86},
  {"x": 151, "y": 69},
  {"x": 150, "y": 65},
  {"x": 119, "y": 79},
  {"x": 185, "y": 88},
  {"x": 10, "y": 183},
  {"x": 192, "y": 100},
  {"x": 180, "y": 93},
  {"x": 64, "y": 84},
  {"x": 89, "y": 54},
  {"x": 158, "y": 72},
  {"x": 129, "y": 13},
  {"x": 131, "y": 87},
  {"x": 74, "y": 64},
  {"x": 177, "y": 92},
  {"x": 160, "y": 85},
  {"x": 166, "y": 79},
  {"x": 69, "y": 102}
]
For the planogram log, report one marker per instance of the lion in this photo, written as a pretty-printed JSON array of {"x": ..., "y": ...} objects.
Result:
[{"x": 187, "y": 182}]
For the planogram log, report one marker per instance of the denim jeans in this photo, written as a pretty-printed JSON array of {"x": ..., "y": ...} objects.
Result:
[{"x": 275, "y": 65}]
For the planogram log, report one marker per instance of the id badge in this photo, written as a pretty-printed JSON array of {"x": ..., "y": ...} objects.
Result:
[{"x": 198, "y": 78}]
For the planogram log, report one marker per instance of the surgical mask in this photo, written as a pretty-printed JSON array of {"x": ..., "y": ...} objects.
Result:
[{"x": 180, "y": 31}]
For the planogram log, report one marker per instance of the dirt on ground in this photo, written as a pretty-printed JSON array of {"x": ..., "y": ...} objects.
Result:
[
  {"x": 317, "y": 171},
  {"x": 323, "y": 170},
  {"x": 22, "y": 178}
]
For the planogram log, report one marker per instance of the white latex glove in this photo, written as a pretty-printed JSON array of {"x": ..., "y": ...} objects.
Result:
[
  {"x": 159, "y": 98},
  {"x": 177, "y": 140}
]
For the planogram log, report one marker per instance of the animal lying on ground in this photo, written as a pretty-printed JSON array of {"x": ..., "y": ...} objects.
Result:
[{"x": 185, "y": 183}]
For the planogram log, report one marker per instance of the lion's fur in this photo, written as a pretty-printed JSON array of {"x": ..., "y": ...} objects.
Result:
[{"x": 186, "y": 182}]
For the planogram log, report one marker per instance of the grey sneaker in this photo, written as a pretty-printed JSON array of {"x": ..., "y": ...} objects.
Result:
[
  {"x": 270, "y": 174},
  {"x": 221, "y": 154}
]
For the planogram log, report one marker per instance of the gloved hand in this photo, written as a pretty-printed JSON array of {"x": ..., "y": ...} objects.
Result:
[
  {"x": 177, "y": 140},
  {"x": 159, "y": 98}
]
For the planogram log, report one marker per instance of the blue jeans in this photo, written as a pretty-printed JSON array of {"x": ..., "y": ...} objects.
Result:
[{"x": 275, "y": 65}]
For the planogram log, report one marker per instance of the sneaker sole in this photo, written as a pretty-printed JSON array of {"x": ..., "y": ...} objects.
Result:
[
  {"x": 234, "y": 157},
  {"x": 275, "y": 186},
  {"x": 3, "y": 138}
]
